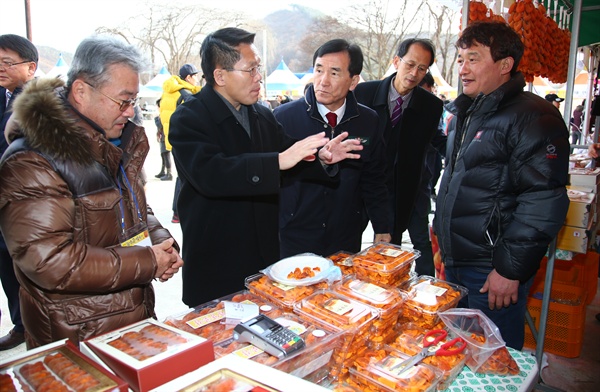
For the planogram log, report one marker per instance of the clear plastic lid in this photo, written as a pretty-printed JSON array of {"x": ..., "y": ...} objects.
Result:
[
  {"x": 335, "y": 310},
  {"x": 279, "y": 293},
  {"x": 385, "y": 257},
  {"x": 384, "y": 298},
  {"x": 433, "y": 295}
]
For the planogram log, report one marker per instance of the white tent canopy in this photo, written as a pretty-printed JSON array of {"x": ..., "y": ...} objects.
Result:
[
  {"x": 60, "y": 69},
  {"x": 283, "y": 81},
  {"x": 156, "y": 83}
]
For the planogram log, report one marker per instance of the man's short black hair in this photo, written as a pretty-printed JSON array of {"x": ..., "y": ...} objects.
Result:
[
  {"x": 220, "y": 49},
  {"x": 341, "y": 45},
  {"x": 22, "y": 46},
  {"x": 426, "y": 44},
  {"x": 428, "y": 80},
  {"x": 502, "y": 40}
]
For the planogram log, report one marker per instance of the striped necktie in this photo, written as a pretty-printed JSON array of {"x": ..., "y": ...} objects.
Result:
[{"x": 397, "y": 112}]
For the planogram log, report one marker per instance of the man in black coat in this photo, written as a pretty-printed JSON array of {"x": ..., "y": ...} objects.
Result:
[
  {"x": 408, "y": 117},
  {"x": 229, "y": 153},
  {"x": 18, "y": 63}
]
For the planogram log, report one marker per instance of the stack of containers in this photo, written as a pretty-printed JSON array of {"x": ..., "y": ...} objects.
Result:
[
  {"x": 331, "y": 310},
  {"x": 381, "y": 371},
  {"x": 566, "y": 318},
  {"x": 385, "y": 264},
  {"x": 410, "y": 342},
  {"x": 427, "y": 296},
  {"x": 208, "y": 320},
  {"x": 282, "y": 295},
  {"x": 312, "y": 363},
  {"x": 386, "y": 300}
]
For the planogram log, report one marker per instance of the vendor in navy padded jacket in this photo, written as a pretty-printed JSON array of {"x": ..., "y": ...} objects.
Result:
[{"x": 502, "y": 198}]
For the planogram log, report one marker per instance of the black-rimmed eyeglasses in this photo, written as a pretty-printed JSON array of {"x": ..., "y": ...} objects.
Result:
[
  {"x": 8, "y": 64},
  {"x": 124, "y": 104}
]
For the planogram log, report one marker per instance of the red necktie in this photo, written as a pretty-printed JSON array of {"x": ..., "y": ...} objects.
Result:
[
  {"x": 397, "y": 112},
  {"x": 331, "y": 119}
]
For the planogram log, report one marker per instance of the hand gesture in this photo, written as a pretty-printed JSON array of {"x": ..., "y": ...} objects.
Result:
[
  {"x": 338, "y": 149},
  {"x": 502, "y": 292},
  {"x": 593, "y": 150},
  {"x": 302, "y": 149},
  {"x": 167, "y": 260}
]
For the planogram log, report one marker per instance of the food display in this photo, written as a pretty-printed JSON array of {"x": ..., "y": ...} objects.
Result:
[
  {"x": 386, "y": 264},
  {"x": 382, "y": 370},
  {"x": 55, "y": 370},
  {"x": 426, "y": 297},
  {"x": 387, "y": 300},
  {"x": 208, "y": 320},
  {"x": 226, "y": 380},
  {"x": 410, "y": 342},
  {"x": 343, "y": 260},
  {"x": 305, "y": 272},
  {"x": 311, "y": 363},
  {"x": 302, "y": 270},
  {"x": 499, "y": 362},
  {"x": 149, "y": 341},
  {"x": 340, "y": 313},
  {"x": 282, "y": 295}
]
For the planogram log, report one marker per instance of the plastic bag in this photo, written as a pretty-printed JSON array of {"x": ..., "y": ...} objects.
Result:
[
  {"x": 319, "y": 267},
  {"x": 488, "y": 350}
]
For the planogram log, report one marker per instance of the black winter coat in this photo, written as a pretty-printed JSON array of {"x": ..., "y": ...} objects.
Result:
[
  {"x": 502, "y": 198},
  {"x": 406, "y": 143},
  {"x": 324, "y": 218},
  {"x": 228, "y": 205}
]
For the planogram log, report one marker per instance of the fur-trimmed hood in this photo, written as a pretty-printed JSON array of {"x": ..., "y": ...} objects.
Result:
[{"x": 42, "y": 115}]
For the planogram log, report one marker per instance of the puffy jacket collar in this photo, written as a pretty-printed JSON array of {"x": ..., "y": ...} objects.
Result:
[
  {"x": 175, "y": 83},
  {"x": 464, "y": 105}
]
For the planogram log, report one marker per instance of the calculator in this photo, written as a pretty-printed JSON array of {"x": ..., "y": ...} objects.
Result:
[{"x": 268, "y": 335}]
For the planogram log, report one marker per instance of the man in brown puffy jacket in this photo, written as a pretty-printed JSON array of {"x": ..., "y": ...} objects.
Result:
[{"x": 72, "y": 207}]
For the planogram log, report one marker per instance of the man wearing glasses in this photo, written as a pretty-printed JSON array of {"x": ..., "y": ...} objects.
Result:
[
  {"x": 18, "y": 62},
  {"x": 230, "y": 153},
  {"x": 85, "y": 245},
  {"x": 409, "y": 117}
]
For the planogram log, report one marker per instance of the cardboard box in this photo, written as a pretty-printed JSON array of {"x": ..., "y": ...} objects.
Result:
[
  {"x": 268, "y": 378},
  {"x": 148, "y": 353},
  {"x": 574, "y": 239},
  {"x": 47, "y": 362},
  {"x": 582, "y": 209},
  {"x": 584, "y": 177}
]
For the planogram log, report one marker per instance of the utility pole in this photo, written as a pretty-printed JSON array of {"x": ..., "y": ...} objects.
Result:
[{"x": 28, "y": 20}]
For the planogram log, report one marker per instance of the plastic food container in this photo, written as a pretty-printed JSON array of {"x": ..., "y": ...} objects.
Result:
[
  {"x": 410, "y": 342},
  {"x": 280, "y": 294},
  {"x": 426, "y": 297},
  {"x": 337, "y": 312},
  {"x": 386, "y": 264},
  {"x": 208, "y": 320},
  {"x": 386, "y": 300},
  {"x": 380, "y": 371},
  {"x": 312, "y": 363},
  {"x": 343, "y": 259},
  {"x": 227, "y": 380}
]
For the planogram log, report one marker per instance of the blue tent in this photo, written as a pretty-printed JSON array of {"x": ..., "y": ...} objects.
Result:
[
  {"x": 283, "y": 81},
  {"x": 156, "y": 83}
]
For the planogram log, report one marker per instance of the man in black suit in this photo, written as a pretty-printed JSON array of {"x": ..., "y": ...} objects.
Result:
[
  {"x": 409, "y": 117},
  {"x": 18, "y": 63}
]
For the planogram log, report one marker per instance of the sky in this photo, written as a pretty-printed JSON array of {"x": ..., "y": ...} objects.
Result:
[{"x": 62, "y": 24}]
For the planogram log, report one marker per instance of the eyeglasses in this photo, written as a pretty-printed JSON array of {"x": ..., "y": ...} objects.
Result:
[
  {"x": 8, "y": 64},
  {"x": 252, "y": 71},
  {"x": 411, "y": 66},
  {"x": 124, "y": 104}
]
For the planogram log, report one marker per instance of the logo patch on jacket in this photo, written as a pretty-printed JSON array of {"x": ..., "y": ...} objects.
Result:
[
  {"x": 363, "y": 140},
  {"x": 551, "y": 151}
]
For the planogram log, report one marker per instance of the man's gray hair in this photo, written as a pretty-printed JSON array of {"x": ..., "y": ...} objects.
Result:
[{"x": 95, "y": 54}]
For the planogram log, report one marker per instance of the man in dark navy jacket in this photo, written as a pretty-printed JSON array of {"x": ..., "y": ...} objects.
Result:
[
  {"x": 408, "y": 125},
  {"x": 325, "y": 218},
  {"x": 18, "y": 63}
]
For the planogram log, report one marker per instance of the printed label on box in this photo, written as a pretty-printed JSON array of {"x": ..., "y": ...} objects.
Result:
[
  {"x": 248, "y": 352},
  {"x": 206, "y": 319},
  {"x": 338, "y": 306},
  {"x": 391, "y": 252},
  {"x": 369, "y": 290},
  {"x": 282, "y": 286}
]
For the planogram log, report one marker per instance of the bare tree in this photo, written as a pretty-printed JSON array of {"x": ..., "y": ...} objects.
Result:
[
  {"x": 443, "y": 21},
  {"x": 383, "y": 26},
  {"x": 172, "y": 35}
]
